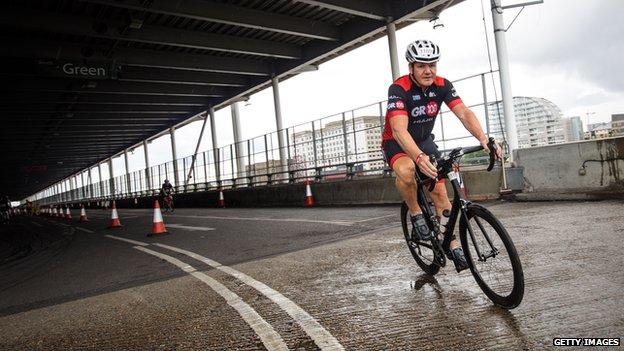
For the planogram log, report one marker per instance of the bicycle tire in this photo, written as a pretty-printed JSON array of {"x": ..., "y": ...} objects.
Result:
[
  {"x": 516, "y": 294},
  {"x": 429, "y": 268}
]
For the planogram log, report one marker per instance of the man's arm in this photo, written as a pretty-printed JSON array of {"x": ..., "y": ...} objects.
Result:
[
  {"x": 398, "y": 124},
  {"x": 471, "y": 123}
]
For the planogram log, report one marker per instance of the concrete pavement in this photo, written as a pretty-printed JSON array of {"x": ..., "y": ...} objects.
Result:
[{"x": 334, "y": 277}]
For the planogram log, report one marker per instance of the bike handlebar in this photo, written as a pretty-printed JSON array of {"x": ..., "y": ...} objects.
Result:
[{"x": 446, "y": 163}]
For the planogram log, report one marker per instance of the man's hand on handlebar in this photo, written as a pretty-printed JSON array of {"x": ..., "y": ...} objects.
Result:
[
  {"x": 499, "y": 153},
  {"x": 426, "y": 167}
]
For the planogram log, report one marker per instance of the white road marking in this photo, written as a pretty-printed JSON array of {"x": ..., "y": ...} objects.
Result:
[
  {"x": 187, "y": 227},
  {"x": 85, "y": 230},
  {"x": 64, "y": 225},
  {"x": 374, "y": 218},
  {"x": 345, "y": 223},
  {"x": 322, "y": 338},
  {"x": 270, "y": 338},
  {"x": 127, "y": 240},
  {"x": 37, "y": 224}
]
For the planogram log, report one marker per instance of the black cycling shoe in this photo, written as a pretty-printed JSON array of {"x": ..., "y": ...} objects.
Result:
[
  {"x": 420, "y": 229},
  {"x": 458, "y": 258}
]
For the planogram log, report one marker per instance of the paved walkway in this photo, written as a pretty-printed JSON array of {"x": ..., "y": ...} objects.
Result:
[{"x": 300, "y": 279}]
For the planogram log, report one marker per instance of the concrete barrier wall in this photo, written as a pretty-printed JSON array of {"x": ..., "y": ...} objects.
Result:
[
  {"x": 552, "y": 172},
  {"x": 480, "y": 184}
]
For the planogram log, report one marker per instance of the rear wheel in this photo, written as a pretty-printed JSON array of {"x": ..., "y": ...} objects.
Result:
[
  {"x": 421, "y": 251},
  {"x": 495, "y": 266}
]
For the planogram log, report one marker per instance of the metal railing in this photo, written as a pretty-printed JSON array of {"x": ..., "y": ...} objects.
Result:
[{"x": 340, "y": 146}]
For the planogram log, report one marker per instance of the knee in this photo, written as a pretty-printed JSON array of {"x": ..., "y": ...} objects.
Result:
[{"x": 405, "y": 172}]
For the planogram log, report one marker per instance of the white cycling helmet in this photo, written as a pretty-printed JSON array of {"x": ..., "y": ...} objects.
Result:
[{"x": 422, "y": 51}]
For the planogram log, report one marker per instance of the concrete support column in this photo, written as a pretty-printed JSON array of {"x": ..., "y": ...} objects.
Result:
[
  {"x": 128, "y": 182},
  {"x": 503, "y": 66},
  {"x": 215, "y": 147},
  {"x": 91, "y": 187},
  {"x": 111, "y": 180},
  {"x": 240, "y": 161},
  {"x": 279, "y": 127},
  {"x": 174, "y": 154},
  {"x": 394, "y": 61},
  {"x": 70, "y": 189},
  {"x": 148, "y": 179},
  {"x": 100, "y": 180}
]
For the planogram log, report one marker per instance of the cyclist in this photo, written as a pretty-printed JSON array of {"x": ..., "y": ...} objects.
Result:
[
  {"x": 165, "y": 192},
  {"x": 5, "y": 208},
  {"x": 414, "y": 101}
]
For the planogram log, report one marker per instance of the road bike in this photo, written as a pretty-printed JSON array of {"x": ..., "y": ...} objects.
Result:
[
  {"x": 489, "y": 250},
  {"x": 168, "y": 203}
]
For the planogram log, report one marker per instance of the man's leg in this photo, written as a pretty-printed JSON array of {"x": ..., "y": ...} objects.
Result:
[
  {"x": 405, "y": 169},
  {"x": 441, "y": 201}
]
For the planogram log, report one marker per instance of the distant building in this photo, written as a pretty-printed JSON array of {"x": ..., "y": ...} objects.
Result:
[
  {"x": 538, "y": 121},
  {"x": 329, "y": 142},
  {"x": 617, "y": 124},
  {"x": 599, "y": 130},
  {"x": 573, "y": 128}
]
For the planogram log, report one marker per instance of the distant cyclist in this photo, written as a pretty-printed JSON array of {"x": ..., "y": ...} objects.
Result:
[
  {"x": 414, "y": 102},
  {"x": 5, "y": 209},
  {"x": 166, "y": 191}
]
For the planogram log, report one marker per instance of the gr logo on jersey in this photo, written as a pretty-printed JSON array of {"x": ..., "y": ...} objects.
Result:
[
  {"x": 396, "y": 105},
  {"x": 431, "y": 110}
]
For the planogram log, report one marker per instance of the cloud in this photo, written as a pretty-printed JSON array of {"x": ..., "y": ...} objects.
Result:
[{"x": 575, "y": 37}]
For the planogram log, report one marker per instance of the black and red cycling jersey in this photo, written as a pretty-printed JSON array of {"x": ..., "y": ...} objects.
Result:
[{"x": 421, "y": 107}]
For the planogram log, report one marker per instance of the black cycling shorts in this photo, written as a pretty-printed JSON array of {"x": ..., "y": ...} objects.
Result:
[{"x": 393, "y": 151}]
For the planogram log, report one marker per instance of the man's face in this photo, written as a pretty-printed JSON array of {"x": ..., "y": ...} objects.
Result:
[{"x": 424, "y": 73}]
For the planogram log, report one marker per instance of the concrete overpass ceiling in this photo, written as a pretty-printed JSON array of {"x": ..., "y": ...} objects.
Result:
[{"x": 82, "y": 80}]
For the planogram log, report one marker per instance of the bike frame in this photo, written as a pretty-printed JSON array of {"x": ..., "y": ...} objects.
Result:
[{"x": 459, "y": 204}]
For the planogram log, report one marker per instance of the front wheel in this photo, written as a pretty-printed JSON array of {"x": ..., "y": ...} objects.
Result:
[
  {"x": 492, "y": 256},
  {"x": 421, "y": 251}
]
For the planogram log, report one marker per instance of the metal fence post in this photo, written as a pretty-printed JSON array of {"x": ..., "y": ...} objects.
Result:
[
  {"x": 314, "y": 145},
  {"x": 485, "y": 104},
  {"x": 344, "y": 137}
]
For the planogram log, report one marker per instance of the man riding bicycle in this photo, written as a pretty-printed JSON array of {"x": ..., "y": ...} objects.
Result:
[
  {"x": 5, "y": 208},
  {"x": 165, "y": 192},
  {"x": 414, "y": 102}
]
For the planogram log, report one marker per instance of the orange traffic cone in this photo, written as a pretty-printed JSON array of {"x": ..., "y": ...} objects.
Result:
[
  {"x": 83, "y": 214},
  {"x": 221, "y": 202},
  {"x": 67, "y": 214},
  {"x": 158, "y": 227},
  {"x": 309, "y": 199},
  {"x": 114, "y": 218}
]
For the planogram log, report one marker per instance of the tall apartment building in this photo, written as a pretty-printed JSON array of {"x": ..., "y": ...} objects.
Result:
[
  {"x": 329, "y": 141},
  {"x": 538, "y": 121},
  {"x": 573, "y": 128}
]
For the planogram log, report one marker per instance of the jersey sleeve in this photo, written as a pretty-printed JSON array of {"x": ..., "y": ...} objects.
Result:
[
  {"x": 396, "y": 101},
  {"x": 451, "y": 99}
]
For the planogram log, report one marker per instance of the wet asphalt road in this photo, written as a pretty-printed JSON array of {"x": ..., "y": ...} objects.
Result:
[{"x": 339, "y": 277}]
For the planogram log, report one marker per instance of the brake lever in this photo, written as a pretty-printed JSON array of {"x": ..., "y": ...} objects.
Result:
[{"x": 492, "y": 146}]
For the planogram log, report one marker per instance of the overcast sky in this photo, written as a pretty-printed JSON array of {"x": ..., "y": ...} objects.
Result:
[{"x": 567, "y": 51}]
